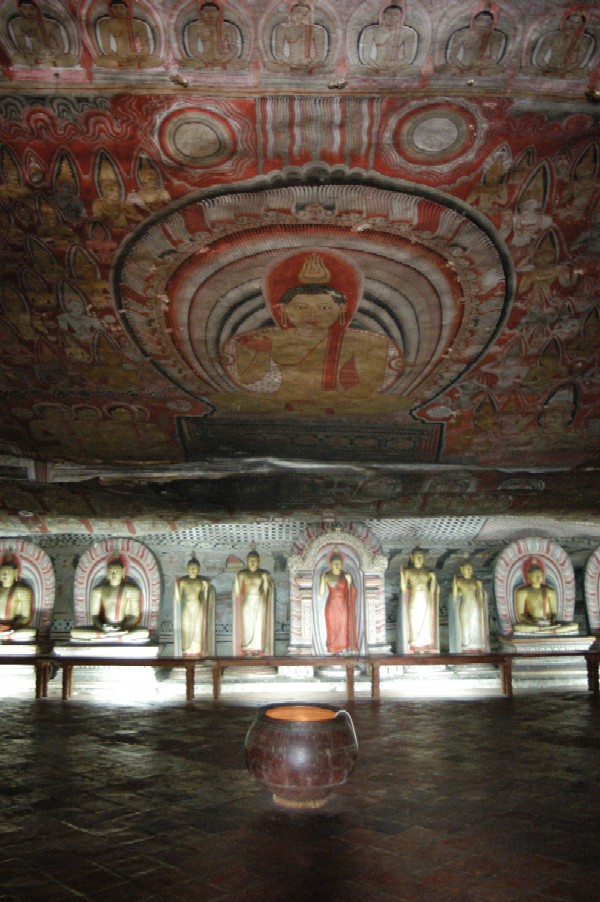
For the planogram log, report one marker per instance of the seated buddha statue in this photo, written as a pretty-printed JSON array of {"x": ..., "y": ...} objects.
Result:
[
  {"x": 16, "y": 602},
  {"x": 115, "y": 608},
  {"x": 536, "y": 606}
]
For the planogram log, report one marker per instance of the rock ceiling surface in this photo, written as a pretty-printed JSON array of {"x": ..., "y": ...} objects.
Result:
[{"x": 266, "y": 256}]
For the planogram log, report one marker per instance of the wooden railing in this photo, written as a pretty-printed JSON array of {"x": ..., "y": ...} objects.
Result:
[{"x": 45, "y": 663}]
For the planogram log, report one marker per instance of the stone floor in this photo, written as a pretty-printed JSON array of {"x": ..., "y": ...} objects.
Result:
[{"x": 479, "y": 799}]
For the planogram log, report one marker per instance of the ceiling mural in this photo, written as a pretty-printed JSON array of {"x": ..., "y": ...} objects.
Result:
[
  {"x": 337, "y": 299},
  {"x": 359, "y": 232}
]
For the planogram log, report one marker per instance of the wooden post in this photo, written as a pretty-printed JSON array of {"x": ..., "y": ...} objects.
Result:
[
  {"x": 67, "y": 681},
  {"x": 189, "y": 680},
  {"x": 39, "y": 678},
  {"x": 592, "y": 660},
  {"x": 216, "y": 678},
  {"x": 375, "y": 683},
  {"x": 350, "y": 681},
  {"x": 506, "y": 676}
]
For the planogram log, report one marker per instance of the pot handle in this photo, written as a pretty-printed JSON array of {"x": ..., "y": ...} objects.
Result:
[{"x": 350, "y": 721}]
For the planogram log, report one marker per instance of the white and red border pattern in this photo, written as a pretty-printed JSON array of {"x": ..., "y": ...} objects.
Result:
[
  {"x": 35, "y": 569},
  {"x": 592, "y": 590},
  {"x": 558, "y": 572},
  {"x": 140, "y": 566}
]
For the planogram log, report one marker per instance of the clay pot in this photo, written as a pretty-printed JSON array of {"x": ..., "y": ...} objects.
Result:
[{"x": 302, "y": 753}]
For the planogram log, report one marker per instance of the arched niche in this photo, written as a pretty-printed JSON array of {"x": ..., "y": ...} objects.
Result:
[
  {"x": 366, "y": 564},
  {"x": 592, "y": 591},
  {"x": 141, "y": 568},
  {"x": 35, "y": 570},
  {"x": 509, "y": 575}
]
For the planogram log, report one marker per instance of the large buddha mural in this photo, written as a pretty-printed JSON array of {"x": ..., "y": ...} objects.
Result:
[
  {"x": 288, "y": 298},
  {"x": 311, "y": 358}
]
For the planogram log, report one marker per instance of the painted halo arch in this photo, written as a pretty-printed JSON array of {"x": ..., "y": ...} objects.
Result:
[
  {"x": 592, "y": 590},
  {"x": 140, "y": 565},
  {"x": 36, "y": 569},
  {"x": 509, "y": 575}
]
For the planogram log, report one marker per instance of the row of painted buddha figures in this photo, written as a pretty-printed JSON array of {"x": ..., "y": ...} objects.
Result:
[
  {"x": 115, "y": 608},
  {"x": 296, "y": 37}
]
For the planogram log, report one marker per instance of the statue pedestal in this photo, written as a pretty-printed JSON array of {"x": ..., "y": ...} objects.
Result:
[
  {"x": 390, "y": 671},
  {"x": 297, "y": 673},
  {"x": 534, "y": 671},
  {"x": 256, "y": 672},
  {"x": 529, "y": 645},
  {"x": 404, "y": 673},
  {"x": 465, "y": 671},
  {"x": 19, "y": 648},
  {"x": 431, "y": 672},
  {"x": 107, "y": 650},
  {"x": 335, "y": 671}
]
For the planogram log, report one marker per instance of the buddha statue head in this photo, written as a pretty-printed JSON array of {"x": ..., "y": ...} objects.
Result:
[
  {"x": 9, "y": 572},
  {"x": 115, "y": 571},
  {"x": 193, "y": 567},
  {"x": 253, "y": 560}
]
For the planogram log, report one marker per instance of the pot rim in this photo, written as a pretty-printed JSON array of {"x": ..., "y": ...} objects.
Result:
[{"x": 328, "y": 713}]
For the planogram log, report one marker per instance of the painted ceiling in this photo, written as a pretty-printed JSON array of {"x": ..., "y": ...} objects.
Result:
[{"x": 266, "y": 256}]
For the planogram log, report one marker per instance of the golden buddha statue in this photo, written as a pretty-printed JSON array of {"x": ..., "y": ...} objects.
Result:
[
  {"x": 253, "y": 609},
  {"x": 470, "y": 603},
  {"x": 536, "y": 606},
  {"x": 419, "y": 615},
  {"x": 196, "y": 597},
  {"x": 115, "y": 608},
  {"x": 16, "y": 601}
]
